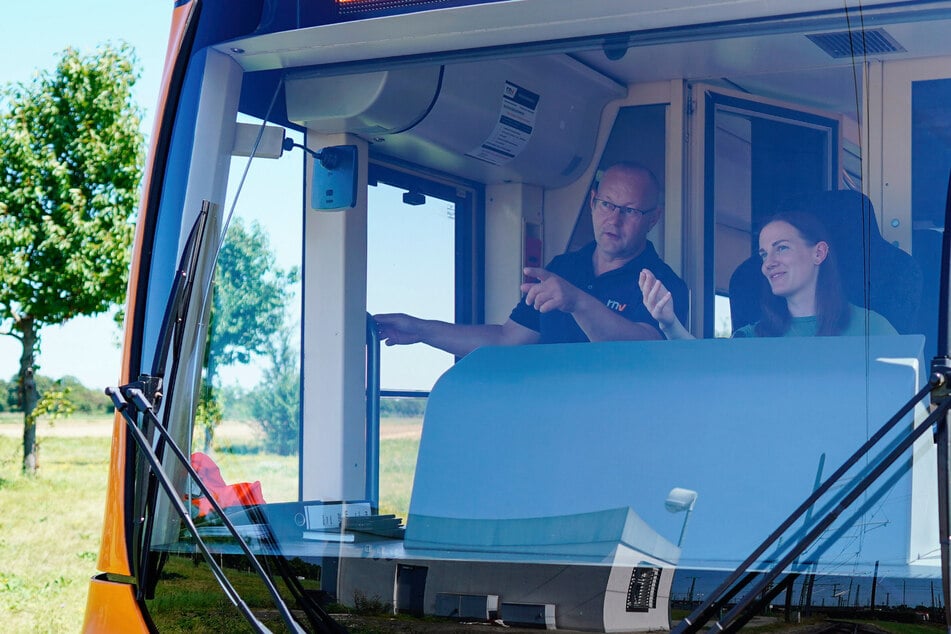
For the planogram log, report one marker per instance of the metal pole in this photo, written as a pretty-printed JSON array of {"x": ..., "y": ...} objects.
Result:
[
  {"x": 373, "y": 415},
  {"x": 874, "y": 586},
  {"x": 941, "y": 439},
  {"x": 941, "y": 365}
]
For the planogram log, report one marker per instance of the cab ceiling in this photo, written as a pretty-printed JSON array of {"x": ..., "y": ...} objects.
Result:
[
  {"x": 788, "y": 66},
  {"x": 781, "y": 62}
]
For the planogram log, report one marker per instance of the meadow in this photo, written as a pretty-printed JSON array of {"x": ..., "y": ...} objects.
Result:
[{"x": 50, "y": 524}]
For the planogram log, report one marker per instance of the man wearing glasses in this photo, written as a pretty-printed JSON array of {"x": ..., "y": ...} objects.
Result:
[{"x": 587, "y": 295}]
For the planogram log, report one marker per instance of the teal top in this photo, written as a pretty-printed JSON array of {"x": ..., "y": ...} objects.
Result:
[{"x": 806, "y": 326}]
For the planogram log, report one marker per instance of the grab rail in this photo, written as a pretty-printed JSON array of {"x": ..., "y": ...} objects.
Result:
[{"x": 373, "y": 414}]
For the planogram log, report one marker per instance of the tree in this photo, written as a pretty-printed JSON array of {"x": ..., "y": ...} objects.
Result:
[
  {"x": 275, "y": 402},
  {"x": 71, "y": 157},
  {"x": 248, "y": 304}
]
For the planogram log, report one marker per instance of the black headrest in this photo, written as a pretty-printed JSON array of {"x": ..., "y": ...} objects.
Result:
[{"x": 848, "y": 214}]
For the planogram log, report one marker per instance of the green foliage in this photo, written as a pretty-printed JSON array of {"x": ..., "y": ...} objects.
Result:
[
  {"x": 54, "y": 404},
  {"x": 11, "y": 397},
  {"x": 234, "y": 403},
  {"x": 403, "y": 407},
  {"x": 250, "y": 296},
  {"x": 83, "y": 399},
  {"x": 71, "y": 152},
  {"x": 208, "y": 414},
  {"x": 362, "y": 604},
  {"x": 190, "y": 600},
  {"x": 80, "y": 398},
  {"x": 275, "y": 402},
  {"x": 50, "y": 527}
]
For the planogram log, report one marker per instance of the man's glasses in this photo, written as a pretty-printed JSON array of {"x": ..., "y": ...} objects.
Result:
[{"x": 609, "y": 207}]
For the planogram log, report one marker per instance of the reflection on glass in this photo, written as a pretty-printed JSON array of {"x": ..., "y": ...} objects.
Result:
[{"x": 248, "y": 415}]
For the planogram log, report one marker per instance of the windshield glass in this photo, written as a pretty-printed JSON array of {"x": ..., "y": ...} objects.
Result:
[{"x": 754, "y": 217}]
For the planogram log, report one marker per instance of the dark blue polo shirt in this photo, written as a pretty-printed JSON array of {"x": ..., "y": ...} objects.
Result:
[{"x": 618, "y": 290}]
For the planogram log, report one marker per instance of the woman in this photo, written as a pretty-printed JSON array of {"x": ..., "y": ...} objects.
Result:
[{"x": 805, "y": 295}]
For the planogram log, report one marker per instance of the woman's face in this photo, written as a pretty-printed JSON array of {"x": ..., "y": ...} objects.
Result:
[{"x": 790, "y": 263}]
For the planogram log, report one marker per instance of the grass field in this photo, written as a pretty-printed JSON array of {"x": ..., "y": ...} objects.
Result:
[
  {"x": 50, "y": 524},
  {"x": 49, "y": 530}
]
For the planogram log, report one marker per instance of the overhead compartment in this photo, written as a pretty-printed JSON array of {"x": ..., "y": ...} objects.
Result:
[{"x": 532, "y": 120}]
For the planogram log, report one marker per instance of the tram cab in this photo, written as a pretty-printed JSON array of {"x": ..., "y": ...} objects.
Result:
[{"x": 316, "y": 167}]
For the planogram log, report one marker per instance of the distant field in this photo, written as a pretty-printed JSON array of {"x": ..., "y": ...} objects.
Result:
[
  {"x": 50, "y": 525},
  {"x": 11, "y": 425}
]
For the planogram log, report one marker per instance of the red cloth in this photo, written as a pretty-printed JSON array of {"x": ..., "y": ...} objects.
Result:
[{"x": 239, "y": 494}]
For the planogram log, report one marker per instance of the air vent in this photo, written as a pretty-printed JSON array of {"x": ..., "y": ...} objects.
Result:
[
  {"x": 846, "y": 43},
  {"x": 642, "y": 591}
]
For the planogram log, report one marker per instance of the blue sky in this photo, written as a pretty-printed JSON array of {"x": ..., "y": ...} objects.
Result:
[{"x": 33, "y": 35}]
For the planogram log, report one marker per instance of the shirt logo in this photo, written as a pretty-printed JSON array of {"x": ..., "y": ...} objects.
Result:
[{"x": 613, "y": 304}]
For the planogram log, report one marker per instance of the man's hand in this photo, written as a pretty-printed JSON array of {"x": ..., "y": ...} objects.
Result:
[
  {"x": 657, "y": 299},
  {"x": 660, "y": 304},
  {"x": 398, "y": 329},
  {"x": 550, "y": 292}
]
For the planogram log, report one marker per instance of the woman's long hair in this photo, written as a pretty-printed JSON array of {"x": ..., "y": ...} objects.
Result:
[{"x": 832, "y": 308}]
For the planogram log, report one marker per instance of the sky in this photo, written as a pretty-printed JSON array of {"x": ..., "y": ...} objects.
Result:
[{"x": 33, "y": 35}]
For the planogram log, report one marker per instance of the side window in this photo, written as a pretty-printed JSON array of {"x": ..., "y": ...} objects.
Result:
[
  {"x": 419, "y": 234},
  {"x": 410, "y": 269}
]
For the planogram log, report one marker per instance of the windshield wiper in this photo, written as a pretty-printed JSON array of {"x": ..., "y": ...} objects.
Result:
[
  {"x": 153, "y": 386},
  {"x": 122, "y": 398},
  {"x": 145, "y": 396}
]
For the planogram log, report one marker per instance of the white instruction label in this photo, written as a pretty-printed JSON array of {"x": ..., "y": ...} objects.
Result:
[{"x": 513, "y": 129}]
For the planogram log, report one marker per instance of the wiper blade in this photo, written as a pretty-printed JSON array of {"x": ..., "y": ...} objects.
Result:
[{"x": 180, "y": 294}]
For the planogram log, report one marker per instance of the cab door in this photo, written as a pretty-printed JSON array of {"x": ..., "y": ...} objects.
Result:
[
  {"x": 748, "y": 155},
  {"x": 913, "y": 158}
]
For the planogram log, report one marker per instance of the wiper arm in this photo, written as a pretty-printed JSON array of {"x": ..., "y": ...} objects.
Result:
[{"x": 142, "y": 406}]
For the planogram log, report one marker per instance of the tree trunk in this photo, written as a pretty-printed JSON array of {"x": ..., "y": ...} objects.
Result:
[
  {"x": 29, "y": 396},
  {"x": 209, "y": 437},
  {"x": 208, "y": 392}
]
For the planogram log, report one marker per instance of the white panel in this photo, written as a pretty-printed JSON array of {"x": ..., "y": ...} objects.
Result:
[
  {"x": 507, "y": 208},
  {"x": 208, "y": 179},
  {"x": 370, "y": 103},
  {"x": 891, "y": 196},
  {"x": 333, "y": 453},
  {"x": 261, "y": 141},
  {"x": 626, "y": 433},
  {"x": 895, "y": 185},
  {"x": 215, "y": 126}
]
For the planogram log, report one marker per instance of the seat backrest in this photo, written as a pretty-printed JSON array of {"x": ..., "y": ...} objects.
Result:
[{"x": 876, "y": 274}]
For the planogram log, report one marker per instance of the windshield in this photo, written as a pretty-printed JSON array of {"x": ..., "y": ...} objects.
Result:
[{"x": 758, "y": 215}]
